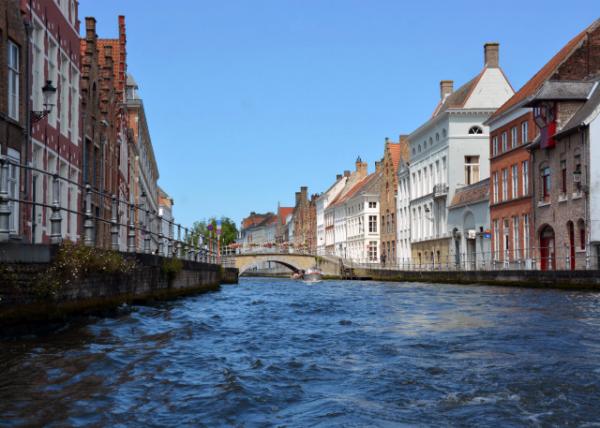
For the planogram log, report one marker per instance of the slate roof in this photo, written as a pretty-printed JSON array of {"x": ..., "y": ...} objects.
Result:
[
  {"x": 543, "y": 74},
  {"x": 585, "y": 114},
  {"x": 458, "y": 98},
  {"x": 367, "y": 184},
  {"x": 562, "y": 90},
  {"x": 471, "y": 194}
]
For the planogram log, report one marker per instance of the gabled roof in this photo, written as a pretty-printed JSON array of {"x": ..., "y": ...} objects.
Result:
[
  {"x": 366, "y": 184},
  {"x": 586, "y": 113},
  {"x": 543, "y": 74},
  {"x": 458, "y": 98},
  {"x": 283, "y": 212},
  {"x": 397, "y": 151},
  {"x": 471, "y": 194}
]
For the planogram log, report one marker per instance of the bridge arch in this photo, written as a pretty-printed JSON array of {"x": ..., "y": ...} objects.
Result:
[{"x": 294, "y": 262}]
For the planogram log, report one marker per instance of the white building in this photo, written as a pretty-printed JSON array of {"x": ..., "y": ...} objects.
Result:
[
  {"x": 335, "y": 215},
  {"x": 403, "y": 214},
  {"x": 322, "y": 203},
  {"x": 451, "y": 149},
  {"x": 362, "y": 221}
]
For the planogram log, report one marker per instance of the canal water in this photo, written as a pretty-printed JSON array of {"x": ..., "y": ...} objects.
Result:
[{"x": 271, "y": 352}]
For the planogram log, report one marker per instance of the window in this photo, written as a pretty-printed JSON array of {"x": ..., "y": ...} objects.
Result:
[
  {"x": 372, "y": 224},
  {"x": 52, "y": 75},
  {"x": 577, "y": 163},
  {"x": 64, "y": 95},
  {"x": 430, "y": 141},
  {"x": 505, "y": 184},
  {"x": 524, "y": 132},
  {"x": 526, "y": 235},
  {"x": 414, "y": 151},
  {"x": 525, "y": 174},
  {"x": 506, "y": 242},
  {"x": 494, "y": 146},
  {"x": 504, "y": 141},
  {"x": 495, "y": 184},
  {"x": 546, "y": 184},
  {"x": 475, "y": 130},
  {"x": 372, "y": 204},
  {"x": 444, "y": 133},
  {"x": 372, "y": 251},
  {"x": 563, "y": 176},
  {"x": 419, "y": 148},
  {"x": 437, "y": 136},
  {"x": 581, "y": 228},
  {"x": 516, "y": 248},
  {"x": 13, "y": 80},
  {"x": 514, "y": 137},
  {"x": 515, "y": 181},
  {"x": 13, "y": 190},
  {"x": 471, "y": 169},
  {"x": 37, "y": 67},
  {"x": 496, "y": 240}
]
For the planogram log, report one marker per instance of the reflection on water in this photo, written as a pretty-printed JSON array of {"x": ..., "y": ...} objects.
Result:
[{"x": 278, "y": 352}]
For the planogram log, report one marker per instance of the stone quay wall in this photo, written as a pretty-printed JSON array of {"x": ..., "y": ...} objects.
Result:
[
  {"x": 580, "y": 279},
  {"x": 30, "y": 293}
]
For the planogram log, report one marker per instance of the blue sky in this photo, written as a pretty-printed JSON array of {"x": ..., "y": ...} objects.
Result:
[{"x": 247, "y": 100}]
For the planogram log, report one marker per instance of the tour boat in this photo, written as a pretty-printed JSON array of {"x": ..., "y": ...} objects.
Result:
[{"x": 313, "y": 275}]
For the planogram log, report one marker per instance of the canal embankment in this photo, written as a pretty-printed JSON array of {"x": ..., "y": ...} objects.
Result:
[
  {"x": 560, "y": 279},
  {"x": 46, "y": 282}
]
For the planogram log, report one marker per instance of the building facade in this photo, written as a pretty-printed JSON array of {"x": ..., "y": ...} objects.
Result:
[
  {"x": 14, "y": 111},
  {"x": 305, "y": 222},
  {"x": 516, "y": 240},
  {"x": 469, "y": 221},
  {"x": 54, "y": 140},
  {"x": 562, "y": 158},
  {"x": 451, "y": 150},
  {"x": 403, "y": 217},
  {"x": 321, "y": 204},
  {"x": 143, "y": 189},
  {"x": 392, "y": 153}
]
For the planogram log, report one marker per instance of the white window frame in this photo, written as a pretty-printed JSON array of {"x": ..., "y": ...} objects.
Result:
[
  {"x": 525, "y": 172},
  {"x": 14, "y": 71},
  {"x": 515, "y": 181},
  {"x": 505, "y": 184}
]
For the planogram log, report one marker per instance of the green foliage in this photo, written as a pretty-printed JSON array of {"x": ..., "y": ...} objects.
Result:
[
  {"x": 74, "y": 262},
  {"x": 171, "y": 267},
  {"x": 229, "y": 230}
]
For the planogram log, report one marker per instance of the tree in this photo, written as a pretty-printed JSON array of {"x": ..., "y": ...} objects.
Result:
[{"x": 229, "y": 230}]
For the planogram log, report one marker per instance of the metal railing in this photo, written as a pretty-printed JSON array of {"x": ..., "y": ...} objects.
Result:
[{"x": 143, "y": 229}]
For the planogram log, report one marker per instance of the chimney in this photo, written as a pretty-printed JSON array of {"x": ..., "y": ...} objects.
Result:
[
  {"x": 90, "y": 28},
  {"x": 338, "y": 177},
  {"x": 377, "y": 166},
  {"x": 304, "y": 192},
  {"x": 298, "y": 196},
  {"x": 346, "y": 173},
  {"x": 403, "y": 139},
  {"x": 446, "y": 88},
  {"x": 491, "y": 55},
  {"x": 361, "y": 168}
]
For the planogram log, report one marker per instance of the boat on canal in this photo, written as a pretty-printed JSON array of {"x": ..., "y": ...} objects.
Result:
[{"x": 313, "y": 275}]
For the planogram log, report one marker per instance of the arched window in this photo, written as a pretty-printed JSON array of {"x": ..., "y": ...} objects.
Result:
[
  {"x": 437, "y": 136},
  {"x": 444, "y": 132},
  {"x": 430, "y": 141},
  {"x": 419, "y": 148},
  {"x": 414, "y": 151},
  {"x": 475, "y": 130}
]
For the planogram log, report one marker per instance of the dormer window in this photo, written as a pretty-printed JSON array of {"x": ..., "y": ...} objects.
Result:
[{"x": 475, "y": 130}]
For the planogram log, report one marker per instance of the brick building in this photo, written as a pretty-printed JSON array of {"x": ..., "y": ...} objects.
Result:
[
  {"x": 515, "y": 237},
  {"x": 99, "y": 107},
  {"x": 13, "y": 104},
  {"x": 54, "y": 140},
  {"x": 305, "y": 221},
  {"x": 565, "y": 163},
  {"x": 388, "y": 190}
]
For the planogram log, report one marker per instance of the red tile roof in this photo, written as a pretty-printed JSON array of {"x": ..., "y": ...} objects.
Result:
[
  {"x": 543, "y": 74},
  {"x": 284, "y": 212},
  {"x": 477, "y": 192},
  {"x": 398, "y": 151}
]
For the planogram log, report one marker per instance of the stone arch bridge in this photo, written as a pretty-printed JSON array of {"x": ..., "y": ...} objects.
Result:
[{"x": 295, "y": 262}]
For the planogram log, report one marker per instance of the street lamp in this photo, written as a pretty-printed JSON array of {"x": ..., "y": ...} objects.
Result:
[{"x": 48, "y": 91}]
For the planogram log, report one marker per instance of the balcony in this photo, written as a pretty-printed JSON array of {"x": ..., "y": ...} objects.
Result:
[{"x": 440, "y": 190}]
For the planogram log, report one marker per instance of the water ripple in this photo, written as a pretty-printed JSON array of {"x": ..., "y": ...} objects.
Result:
[{"x": 279, "y": 353}]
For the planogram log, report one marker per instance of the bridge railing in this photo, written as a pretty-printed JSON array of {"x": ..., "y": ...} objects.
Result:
[{"x": 91, "y": 215}]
